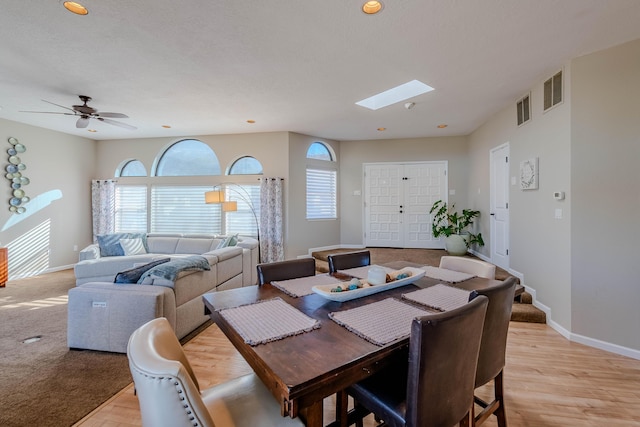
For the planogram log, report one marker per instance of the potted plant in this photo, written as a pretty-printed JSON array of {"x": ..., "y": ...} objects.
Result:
[{"x": 451, "y": 224}]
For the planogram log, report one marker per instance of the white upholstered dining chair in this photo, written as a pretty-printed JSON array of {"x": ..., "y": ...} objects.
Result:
[
  {"x": 169, "y": 394},
  {"x": 469, "y": 265}
]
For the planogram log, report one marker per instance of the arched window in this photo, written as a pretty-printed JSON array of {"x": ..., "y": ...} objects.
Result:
[
  {"x": 246, "y": 165},
  {"x": 319, "y": 151},
  {"x": 188, "y": 157},
  {"x": 321, "y": 182},
  {"x": 132, "y": 168}
]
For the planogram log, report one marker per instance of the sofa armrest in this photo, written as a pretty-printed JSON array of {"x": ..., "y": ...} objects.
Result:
[{"x": 90, "y": 252}]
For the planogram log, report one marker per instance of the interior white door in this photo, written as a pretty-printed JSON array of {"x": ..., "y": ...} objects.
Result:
[
  {"x": 499, "y": 206},
  {"x": 397, "y": 199}
]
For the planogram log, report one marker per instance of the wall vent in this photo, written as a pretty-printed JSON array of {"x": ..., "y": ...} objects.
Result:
[
  {"x": 553, "y": 91},
  {"x": 523, "y": 107}
]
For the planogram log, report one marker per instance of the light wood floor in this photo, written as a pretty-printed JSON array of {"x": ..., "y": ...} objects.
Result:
[{"x": 549, "y": 381}]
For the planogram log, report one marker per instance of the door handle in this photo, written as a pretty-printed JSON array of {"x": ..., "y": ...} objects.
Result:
[{"x": 492, "y": 214}]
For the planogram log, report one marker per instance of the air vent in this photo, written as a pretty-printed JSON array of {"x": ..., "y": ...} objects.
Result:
[
  {"x": 553, "y": 91},
  {"x": 524, "y": 109}
]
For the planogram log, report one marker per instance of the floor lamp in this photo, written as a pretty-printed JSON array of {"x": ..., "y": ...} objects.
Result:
[{"x": 218, "y": 196}]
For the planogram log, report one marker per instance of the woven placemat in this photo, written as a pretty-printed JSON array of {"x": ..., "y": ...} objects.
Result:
[
  {"x": 440, "y": 297},
  {"x": 268, "y": 320},
  {"x": 380, "y": 322},
  {"x": 302, "y": 286},
  {"x": 446, "y": 275}
]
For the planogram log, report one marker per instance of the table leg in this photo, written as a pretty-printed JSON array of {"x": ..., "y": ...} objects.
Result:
[{"x": 312, "y": 415}]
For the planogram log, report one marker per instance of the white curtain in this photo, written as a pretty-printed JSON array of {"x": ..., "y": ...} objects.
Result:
[
  {"x": 103, "y": 193},
  {"x": 271, "y": 236}
]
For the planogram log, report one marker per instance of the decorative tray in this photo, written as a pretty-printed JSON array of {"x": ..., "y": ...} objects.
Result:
[{"x": 346, "y": 295}]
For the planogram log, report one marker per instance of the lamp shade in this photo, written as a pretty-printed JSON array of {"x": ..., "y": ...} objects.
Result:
[
  {"x": 215, "y": 196},
  {"x": 229, "y": 206}
]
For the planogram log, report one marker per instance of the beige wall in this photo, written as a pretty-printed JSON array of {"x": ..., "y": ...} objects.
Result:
[
  {"x": 60, "y": 165},
  {"x": 303, "y": 234},
  {"x": 539, "y": 246},
  {"x": 605, "y": 150},
  {"x": 353, "y": 154}
]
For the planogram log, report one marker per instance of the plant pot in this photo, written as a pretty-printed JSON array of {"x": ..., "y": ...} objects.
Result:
[{"x": 456, "y": 244}]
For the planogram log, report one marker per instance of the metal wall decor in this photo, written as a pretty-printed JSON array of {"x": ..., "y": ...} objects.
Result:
[{"x": 15, "y": 175}]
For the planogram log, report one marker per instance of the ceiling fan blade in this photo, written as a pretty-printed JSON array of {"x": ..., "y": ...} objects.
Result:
[
  {"x": 82, "y": 122},
  {"x": 48, "y": 112},
  {"x": 114, "y": 115},
  {"x": 115, "y": 123},
  {"x": 58, "y": 105}
]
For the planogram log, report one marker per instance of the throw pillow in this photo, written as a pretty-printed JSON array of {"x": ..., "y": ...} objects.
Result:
[
  {"x": 229, "y": 241},
  {"x": 132, "y": 246},
  {"x": 133, "y": 274},
  {"x": 110, "y": 244}
]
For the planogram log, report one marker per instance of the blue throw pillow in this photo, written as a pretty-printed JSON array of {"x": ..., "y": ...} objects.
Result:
[
  {"x": 133, "y": 274},
  {"x": 110, "y": 244}
]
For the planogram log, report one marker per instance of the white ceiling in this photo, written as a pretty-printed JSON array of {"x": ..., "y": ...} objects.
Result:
[{"x": 205, "y": 67}]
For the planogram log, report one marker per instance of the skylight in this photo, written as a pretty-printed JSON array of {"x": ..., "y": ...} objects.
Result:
[{"x": 394, "y": 95}]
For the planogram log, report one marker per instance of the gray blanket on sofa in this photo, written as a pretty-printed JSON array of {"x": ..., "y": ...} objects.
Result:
[{"x": 165, "y": 274}]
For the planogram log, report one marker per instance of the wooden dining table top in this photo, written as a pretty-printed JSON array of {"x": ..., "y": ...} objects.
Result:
[{"x": 301, "y": 370}]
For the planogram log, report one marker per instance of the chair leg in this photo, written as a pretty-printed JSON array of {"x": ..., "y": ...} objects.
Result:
[
  {"x": 496, "y": 407},
  {"x": 465, "y": 421},
  {"x": 500, "y": 413}
]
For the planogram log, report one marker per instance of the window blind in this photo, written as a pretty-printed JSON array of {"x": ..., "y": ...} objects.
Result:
[
  {"x": 181, "y": 209},
  {"x": 321, "y": 194},
  {"x": 131, "y": 208}
]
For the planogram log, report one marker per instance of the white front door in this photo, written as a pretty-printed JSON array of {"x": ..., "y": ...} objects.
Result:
[
  {"x": 397, "y": 199},
  {"x": 499, "y": 206},
  {"x": 382, "y": 201}
]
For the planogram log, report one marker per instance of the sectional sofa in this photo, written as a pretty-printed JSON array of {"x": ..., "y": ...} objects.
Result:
[{"x": 103, "y": 314}]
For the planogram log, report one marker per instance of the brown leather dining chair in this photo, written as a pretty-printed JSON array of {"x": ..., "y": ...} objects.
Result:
[
  {"x": 435, "y": 388},
  {"x": 283, "y": 270},
  {"x": 348, "y": 260},
  {"x": 493, "y": 346}
]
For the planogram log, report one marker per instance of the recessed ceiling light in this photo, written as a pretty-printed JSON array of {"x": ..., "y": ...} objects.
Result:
[
  {"x": 382, "y": 129},
  {"x": 76, "y": 8},
  {"x": 442, "y": 126},
  {"x": 251, "y": 121},
  {"x": 372, "y": 7},
  {"x": 394, "y": 95},
  {"x": 92, "y": 130},
  {"x": 166, "y": 126}
]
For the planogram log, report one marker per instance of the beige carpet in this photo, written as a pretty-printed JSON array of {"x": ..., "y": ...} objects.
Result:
[
  {"x": 523, "y": 310},
  {"x": 42, "y": 382}
]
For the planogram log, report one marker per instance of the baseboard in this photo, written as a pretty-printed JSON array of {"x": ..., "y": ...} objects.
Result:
[
  {"x": 606, "y": 346},
  {"x": 591, "y": 342}
]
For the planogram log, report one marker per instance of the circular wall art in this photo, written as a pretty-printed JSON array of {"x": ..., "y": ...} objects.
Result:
[{"x": 16, "y": 180}]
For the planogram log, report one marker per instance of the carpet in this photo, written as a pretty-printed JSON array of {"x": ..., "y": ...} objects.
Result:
[{"x": 42, "y": 382}]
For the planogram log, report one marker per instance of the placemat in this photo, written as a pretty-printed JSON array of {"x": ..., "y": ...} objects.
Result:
[
  {"x": 440, "y": 297},
  {"x": 380, "y": 322},
  {"x": 302, "y": 286},
  {"x": 362, "y": 272},
  {"x": 446, "y": 275},
  {"x": 269, "y": 320}
]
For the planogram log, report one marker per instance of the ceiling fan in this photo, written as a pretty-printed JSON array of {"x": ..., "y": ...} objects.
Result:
[{"x": 85, "y": 113}]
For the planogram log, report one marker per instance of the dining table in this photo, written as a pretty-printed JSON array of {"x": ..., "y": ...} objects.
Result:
[{"x": 303, "y": 369}]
